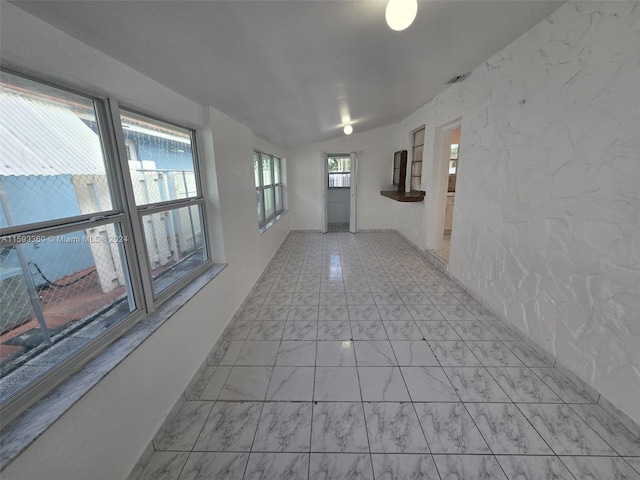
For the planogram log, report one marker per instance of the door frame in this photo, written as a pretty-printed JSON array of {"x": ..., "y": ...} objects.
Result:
[
  {"x": 353, "y": 191},
  {"x": 437, "y": 201}
]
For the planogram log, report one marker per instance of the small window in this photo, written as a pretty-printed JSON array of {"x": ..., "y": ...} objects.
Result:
[
  {"x": 269, "y": 187},
  {"x": 416, "y": 162},
  {"x": 453, "y": 159},
  {"x": 339, "y": 171}
]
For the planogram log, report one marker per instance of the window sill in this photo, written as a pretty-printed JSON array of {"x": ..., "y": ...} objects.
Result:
[
  {"x": 271, "y": 222},
  {"x": 22, "y": 432}
]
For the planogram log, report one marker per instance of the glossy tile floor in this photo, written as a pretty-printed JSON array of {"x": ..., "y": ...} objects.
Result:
[{"x": 354, "y": 359}]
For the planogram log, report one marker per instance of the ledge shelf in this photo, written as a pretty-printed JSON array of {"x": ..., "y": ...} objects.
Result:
[{"x": 403, "y": 196}]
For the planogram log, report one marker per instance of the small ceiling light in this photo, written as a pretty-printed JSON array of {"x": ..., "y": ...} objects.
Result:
[
  {"x": 348, "y": 130},
  {"x": 401, "y": 13}
]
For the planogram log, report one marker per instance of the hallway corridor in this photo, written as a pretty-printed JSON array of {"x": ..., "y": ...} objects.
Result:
[{"x": 353, "y": 358}]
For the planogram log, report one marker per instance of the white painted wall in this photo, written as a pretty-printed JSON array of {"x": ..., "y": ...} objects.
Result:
[
  {"x": 103, "y": 435},
  {"x": 375, "y": 170},
  {"x": 547, "y": 218}
]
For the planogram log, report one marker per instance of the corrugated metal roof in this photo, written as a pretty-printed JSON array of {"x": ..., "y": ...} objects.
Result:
[{"x": 37, "y": 138}]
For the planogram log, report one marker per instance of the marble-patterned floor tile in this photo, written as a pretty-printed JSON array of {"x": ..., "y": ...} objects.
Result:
[
  {"x": 453, "y": 353},
  {"x": 334, "y": 313},
  {"x": 610, "y": 429},
  {"x": 363, "y": 312},
  {"x": 364, "y": 330},
  {"x": 277, "y": 466},
  {"x": 336, "y": 384},
  {"x": 506, "y": 430},
  {"x": 296, "y": 354},
  {"x": 394, "y": 312},
  {"x": 306, "y": 288},
  {"x": 246, "y": 383},
  {"x": 437, "y": 330},
  {"x": 564, "y": 431},
  {"x": 600, "y": 468},
  {"x": 522, "y": 385},
  {"x": 332, "y": 298},
  {"x": 414, "y": 353},
  {"x": 278, "y": 298},
  {"x": 472, "y": 330},
  {"x": 526, "y": 354},
  {"x": 231, "y": 355},
  {"x": 284, "y": 427},
  {"x": 238, "y": 330},
  {"x": 394, "y": 428},
  {"x": 291, "y": 384},
  {"x": 356, "y": 286},
  {"x": 215, "y": 384},
  {"x": 402, "y": 330},
  {"x": 634, "y": 462},
  {"x": 432, "y": 286},
  {"x": 284, "y": 286},
  {"x": 348, "y": 466},
  {"x": 218, "y": 465},
  {"x": 303, "y": 313},
  {"x": 374, "y": 353},
  {"x": 407, "y": 287},
  {"x": 381, "y": 286},
  {"x": 500, "y": 331},
  {"x": 382, "y": 384},
  {"x": 339, "y": 427},
  {"x": 335, "y": 354},
  {"x": 255, "y": 352},
  {"x": 387, "y": 298},
  {"x": 248, "y": 312},
  {"x": 273, "y": 312},
  {"x": 300, "y": 330},
  {"x": 424, "y": 312},
  {"x": 449, "y": 429},
  {"x": 256, "y": 299},
  {"x": 267, "y": 330},
  {"x": 465, "y": 298},
  {"x": 231, "y": 426},
  {"x": 332, "y": 287},
  {"x": 334, "y": 330},
  {"x": 519, "y": 467},
  {"x": 416, "y": 298},
  {"x": 359, "y": 298},
  {"x": 469, "y": 467},
  {"x": 197, "y": 386},
  {"x": 455, "y": 312},
  {"x": 561, "y": 385},
  {"x": 429, "y": 384},
  {"x": 475, "y": 384},
  {"x": 443, "y": 299},
  {"x": 493, "y": 354},
  {"x": 164, "y": 466},
  {"x": 306, "y": 298},
  {"x": 180, "y": 431},
  {"x": 389, "y": 466}
]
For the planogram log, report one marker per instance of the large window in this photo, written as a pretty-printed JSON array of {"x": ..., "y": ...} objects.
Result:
[
  {"x": 77, "y": 206},
  {"x": 269, "y": 187},
  {"x": 416, "y": 161}
]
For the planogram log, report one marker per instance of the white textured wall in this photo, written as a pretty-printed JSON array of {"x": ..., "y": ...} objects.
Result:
[
  {"x": 547, "y": 217},
  {"x": 375, "y": 171},
  {"x": 104, "y": 434}
]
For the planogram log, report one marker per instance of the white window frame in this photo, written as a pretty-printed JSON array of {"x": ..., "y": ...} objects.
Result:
[
  {"x": 260, "y": 189},
  {"x": 125, "y": 213}
]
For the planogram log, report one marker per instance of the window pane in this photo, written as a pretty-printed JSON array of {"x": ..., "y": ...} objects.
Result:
[
  {"x": 52, "y": 159},
  {"x": 175, "y": 244},
  {"x": 269, "y": 209},
  {"x": 260, "y": 214},
  {"x": 276, "y": 169},
  {"x": 160, "y": 159},
  {"x": 77, "y": 283},
  {"x": 418, "y": 137},
  {"x": 278, "y": 198},
  {"x": 266, "y": 170},
  {"x": 416, "y": 169},
  {"x": 417, "y": 153},
  {"x": 256, "y": 168}
]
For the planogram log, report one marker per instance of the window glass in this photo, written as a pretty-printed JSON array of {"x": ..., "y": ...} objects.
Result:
[
  {"x": 276, "y": 169},
  {"x": 175, "y": 244},
  {"x": 53, "y": 165},
  {"x": 339, "y": 172},
  {"x": 278, "y": 198},
  {"x": 259, "y": 194},
  {"x": 256, "y": 168},
  {"x": 269, "y": 203},
  {"x": 266, "y": 170},
  {"x": 161, "y": 161}
]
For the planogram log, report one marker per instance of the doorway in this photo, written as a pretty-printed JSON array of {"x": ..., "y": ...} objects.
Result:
[
  {"x": 442, "y": 206},
  {"x": 340, "y": 192}
]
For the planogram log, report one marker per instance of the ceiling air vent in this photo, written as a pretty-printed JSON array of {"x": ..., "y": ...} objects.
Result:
[{"x": 457, "y": 79}]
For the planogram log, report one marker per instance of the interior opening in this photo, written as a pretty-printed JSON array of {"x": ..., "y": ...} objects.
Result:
[{"x": 339, "y": 182}]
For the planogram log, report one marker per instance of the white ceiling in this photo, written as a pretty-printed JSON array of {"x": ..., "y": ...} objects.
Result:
[{"x": 296, "y": 71}]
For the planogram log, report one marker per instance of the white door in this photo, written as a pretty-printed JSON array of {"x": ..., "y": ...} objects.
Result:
[{"x": 353, "y": 228}]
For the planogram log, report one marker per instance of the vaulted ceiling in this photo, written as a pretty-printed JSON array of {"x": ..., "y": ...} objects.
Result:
[{"x": 297, "y": 71}]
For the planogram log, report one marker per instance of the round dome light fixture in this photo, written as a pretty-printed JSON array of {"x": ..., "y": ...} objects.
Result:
[
  {"x": 348, "y": 130},
  {"x": 400, "y": 14}
]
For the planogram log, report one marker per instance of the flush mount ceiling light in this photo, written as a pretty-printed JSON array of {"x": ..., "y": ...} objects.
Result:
[
  {"x": 401, "y": 13},
  {"x": 348, "y": 130}
]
